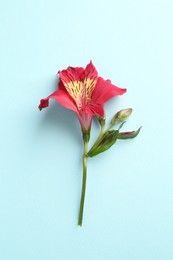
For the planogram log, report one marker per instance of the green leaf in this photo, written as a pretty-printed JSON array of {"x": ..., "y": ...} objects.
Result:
[
  {"x": 106, "y": 141},
  {"x": 128, "y": 135}
]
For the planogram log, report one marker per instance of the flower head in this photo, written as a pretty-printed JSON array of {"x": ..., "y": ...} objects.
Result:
[{"x": 84, "y": 92}]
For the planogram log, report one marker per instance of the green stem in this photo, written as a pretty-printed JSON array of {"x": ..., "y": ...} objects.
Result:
[
  {"x": 100, "y": 134},
  {"x": 98, "y": 138},
  {"x": 84, "y": 160}
]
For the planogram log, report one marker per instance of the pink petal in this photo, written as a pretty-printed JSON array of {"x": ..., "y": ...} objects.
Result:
[
  {"x": 62, "y": 98},
  {"x": 95, "y": 109},
  {"x": 61, "y": 86},
  {"x": 71, "y": 74},
  {"x": 91, "y": 72},
  {"x": 104, "y": 91}
]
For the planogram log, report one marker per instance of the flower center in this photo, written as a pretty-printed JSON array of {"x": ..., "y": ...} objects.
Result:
[
  {"x": 81, "y": 91},
  {"x": 76, "y": 91}
]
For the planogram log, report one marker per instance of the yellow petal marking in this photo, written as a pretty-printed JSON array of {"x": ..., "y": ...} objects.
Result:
[
  {"x": 89, "y": 87},
  {"x": 81, "y": 91},
  {"x": 76, "y": 91}
]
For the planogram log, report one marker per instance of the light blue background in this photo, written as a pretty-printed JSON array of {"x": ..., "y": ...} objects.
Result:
[{"x": 129, "y": 201}]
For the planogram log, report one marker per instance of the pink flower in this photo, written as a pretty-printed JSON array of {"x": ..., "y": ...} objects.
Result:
[{"x": 82, "y": 91}]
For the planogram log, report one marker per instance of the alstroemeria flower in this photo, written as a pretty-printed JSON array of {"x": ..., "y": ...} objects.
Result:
[{"x": 82, "y": 91}]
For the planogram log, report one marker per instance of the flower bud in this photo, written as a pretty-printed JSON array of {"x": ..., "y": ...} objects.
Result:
[
  {"x": 121, "y": 116},
  {"x": 129, "y": 135}
]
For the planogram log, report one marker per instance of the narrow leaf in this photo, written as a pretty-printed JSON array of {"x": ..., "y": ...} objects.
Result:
[{"x": 121, "y": 125}]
